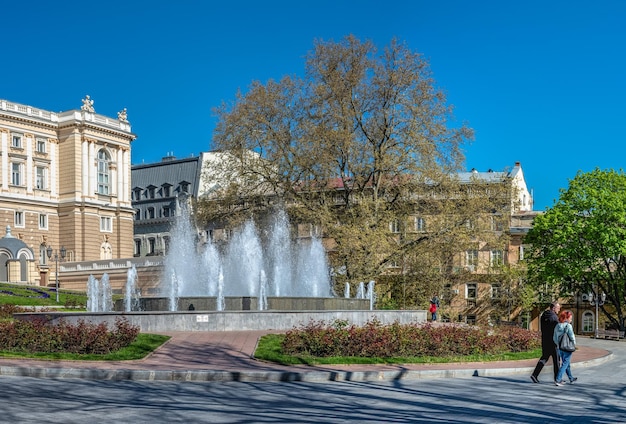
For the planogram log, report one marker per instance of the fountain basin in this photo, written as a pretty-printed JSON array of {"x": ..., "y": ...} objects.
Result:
[
  {"x": 163, "y": 322},
  {"x": 247, "y": 303}
]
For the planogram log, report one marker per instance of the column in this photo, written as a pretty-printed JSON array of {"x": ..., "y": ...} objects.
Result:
[
  {"x": 85, "y": 166},
  {"x": 29, "y": 162},
  {"x": 54, "y": 160},
  {"x": 4, "y": 140},
  {"x": 92, "y": 168}
]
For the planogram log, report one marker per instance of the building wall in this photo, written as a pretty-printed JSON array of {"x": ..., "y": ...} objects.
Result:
[{"x": 58, "y": 195}]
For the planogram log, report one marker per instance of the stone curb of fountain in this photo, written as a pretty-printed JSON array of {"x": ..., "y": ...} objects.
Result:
[{"x": 271, "y": 376}]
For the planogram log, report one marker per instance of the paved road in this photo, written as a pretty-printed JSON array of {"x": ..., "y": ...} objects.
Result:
[{"x": 598, "y": 397}]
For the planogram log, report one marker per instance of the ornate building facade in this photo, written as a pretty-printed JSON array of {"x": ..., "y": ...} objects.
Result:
[{"x": 65, "y": 182}]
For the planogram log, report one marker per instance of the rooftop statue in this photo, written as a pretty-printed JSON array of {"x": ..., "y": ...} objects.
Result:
[
  {"x": 87, "y": 104},
  {"x": 122, "y": 115}
]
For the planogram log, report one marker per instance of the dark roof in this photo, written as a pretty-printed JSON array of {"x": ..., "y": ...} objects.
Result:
[
  {"x": 12, "y": 244},
  {"x": 168, "y": 172}
]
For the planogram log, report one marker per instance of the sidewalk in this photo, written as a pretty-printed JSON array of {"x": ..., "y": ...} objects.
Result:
[{"x": 227, "y": 356}]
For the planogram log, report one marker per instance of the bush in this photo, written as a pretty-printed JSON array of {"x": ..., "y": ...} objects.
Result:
[
  {"x": 7, "y": 310},
  {"x": 38, "y": 335},
  {"x": 404, "y": 340}
]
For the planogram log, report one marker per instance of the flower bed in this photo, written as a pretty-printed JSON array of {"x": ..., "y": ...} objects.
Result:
[{"x": 405, "y": 340}]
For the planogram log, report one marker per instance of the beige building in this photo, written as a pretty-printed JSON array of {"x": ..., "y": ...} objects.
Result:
[{"x": 64, "y": 182}]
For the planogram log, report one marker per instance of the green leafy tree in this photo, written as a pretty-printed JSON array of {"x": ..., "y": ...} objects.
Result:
[{"x": 579, "y": 245}]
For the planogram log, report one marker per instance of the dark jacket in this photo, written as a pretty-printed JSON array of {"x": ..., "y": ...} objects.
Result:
[{"x": 549, "y": 320}]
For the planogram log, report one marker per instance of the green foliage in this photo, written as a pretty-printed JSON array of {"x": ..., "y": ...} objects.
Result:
[
  {"x": 373, "y": 340},
  {"x": 83, "y": 338},
  {"x": 579, "y": 245}
]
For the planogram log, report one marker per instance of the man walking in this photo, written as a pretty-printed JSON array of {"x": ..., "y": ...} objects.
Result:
[{"x": 549, "y": 320}]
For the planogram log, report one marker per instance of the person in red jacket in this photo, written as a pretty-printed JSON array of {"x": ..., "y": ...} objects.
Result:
[
  {"x": 434, "y": 305},
  {"x": 549, "y": 320}
]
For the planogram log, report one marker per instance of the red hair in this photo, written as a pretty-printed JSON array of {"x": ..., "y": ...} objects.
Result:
[{"x": 565, "y": 315}]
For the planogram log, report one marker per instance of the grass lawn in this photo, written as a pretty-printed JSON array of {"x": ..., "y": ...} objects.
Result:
[
  {"x": 268, "y": 349},
  {"x": 39, "y": 296}
]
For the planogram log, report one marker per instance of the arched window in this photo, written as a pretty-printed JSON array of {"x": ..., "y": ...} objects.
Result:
[
  {"x": 23, "y": 268},
  {"x": 4, "y": 273},
  {"x": 588, "y": 322},
  {"x": 103, "y": 172},
  {"x": 43, "y": 256}
]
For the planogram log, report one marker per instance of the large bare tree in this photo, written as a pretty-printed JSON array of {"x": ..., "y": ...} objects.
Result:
[{"x": 360, "y": 145}]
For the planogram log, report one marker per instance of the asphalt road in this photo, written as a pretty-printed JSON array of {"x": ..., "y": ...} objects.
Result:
[{"x": 597, "y": 397}]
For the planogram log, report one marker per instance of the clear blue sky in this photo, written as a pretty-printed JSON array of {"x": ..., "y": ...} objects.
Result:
[{"x": 541, "y": 82}]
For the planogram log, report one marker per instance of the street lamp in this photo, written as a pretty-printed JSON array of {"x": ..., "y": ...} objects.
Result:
[
  {"x": 596, "y": 299},
  {"x": 56, "y": 259}
]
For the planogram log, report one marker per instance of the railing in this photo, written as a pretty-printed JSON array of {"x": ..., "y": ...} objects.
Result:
[
  {"x": 111, "y": 264},
  {"x": 54, "y": 117},
  {"x": 28, "y": 110}
]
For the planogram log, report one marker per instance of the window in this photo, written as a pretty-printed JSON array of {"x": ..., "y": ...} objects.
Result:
[
  {"x": 43, "y": 255},
  {"x": 151, "y": 246},
  {"x": 41, "y": 145},
  {"x": 497, "y": 258},
  {"x": 420, "y": 224},
  {"x": 166, "y": 190},
  {"x": 106, "y": 224},
  {"x": 166, "y": 211},
  {"x": 137, "y": 247},
  {"x": 41, "y": 178},
  {"x": 471, "y": 319},
  {"x": 471, "y": 290},
  {"x": 150, "y": 213},
  {"x": 184, "y": 187},
  {"x": 588, "y": 322},
  {"x": 521, "y": 252},
  {"x": 16, "y": 141},
  {"x": 151, "y": 192},
  {"x": 394, "y": 226},
  {"x": 103, "y": 172},
  {"x": 19, "y": 219},
  {"x": 496, "y": 291},
  {"x": 471, "y": 258},
  {"x": 496, "y": 223},
  {"x": 166, "y": 243},
  {"x": 43, "y": 221},
  {"x": 16, "y": 173},
  {"x": 137, "y": 193},
  {"x": 137, "y": 214}
]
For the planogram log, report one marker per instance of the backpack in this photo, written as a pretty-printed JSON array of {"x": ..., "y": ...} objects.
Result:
[{"x": 566, "y": 344}]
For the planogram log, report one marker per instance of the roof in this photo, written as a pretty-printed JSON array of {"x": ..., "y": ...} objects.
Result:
[
  {"x": 170, "y": 172},
  {"x": 13, "y": 245}
]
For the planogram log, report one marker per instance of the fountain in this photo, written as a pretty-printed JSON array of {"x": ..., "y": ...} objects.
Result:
[
  {"x": 257, "y": 280},
  {"x": 252, "y": 264},
  {"x": 99, "y": 298},
  {"x": 360, "y": 292},
  {"x": 132, "y": 294}
]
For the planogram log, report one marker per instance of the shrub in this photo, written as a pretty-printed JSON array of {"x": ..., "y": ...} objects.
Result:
[
  {"x": 38, "y": 335},
  {"x": 404, "y": 340},
  {"x": 7, "y": 310}
]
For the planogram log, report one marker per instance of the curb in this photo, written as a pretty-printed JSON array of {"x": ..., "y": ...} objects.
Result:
[{"x": 270, "y": 376}]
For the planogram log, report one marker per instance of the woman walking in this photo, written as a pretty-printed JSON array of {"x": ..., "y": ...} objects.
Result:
[{"x": 564, "y": 329}]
